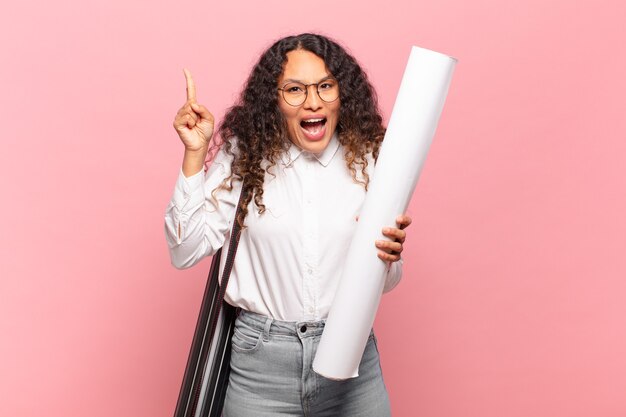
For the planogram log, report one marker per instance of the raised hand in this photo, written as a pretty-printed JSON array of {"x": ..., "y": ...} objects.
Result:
[{"x": 193, "y": 122}]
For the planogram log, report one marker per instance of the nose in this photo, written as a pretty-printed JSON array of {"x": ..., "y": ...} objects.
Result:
[{"x": 313, "y": 101}]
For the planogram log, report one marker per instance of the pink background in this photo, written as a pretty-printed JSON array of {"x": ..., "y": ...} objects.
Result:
[{"x": 513, "y": 301}]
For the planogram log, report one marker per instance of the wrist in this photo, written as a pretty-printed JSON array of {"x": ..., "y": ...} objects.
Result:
[
  {"x": 193, "y": 161},
  {"x": 200, "y": 151}
]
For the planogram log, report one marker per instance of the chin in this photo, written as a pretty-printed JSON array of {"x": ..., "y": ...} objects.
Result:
[{"x": 313, "y": 146}]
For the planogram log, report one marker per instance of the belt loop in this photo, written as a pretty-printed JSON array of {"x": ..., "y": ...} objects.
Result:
[{"x": 266, "y": 330}]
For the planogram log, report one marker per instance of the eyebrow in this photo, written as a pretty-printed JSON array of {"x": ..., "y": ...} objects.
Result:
[{"x": 302, "y": 82}]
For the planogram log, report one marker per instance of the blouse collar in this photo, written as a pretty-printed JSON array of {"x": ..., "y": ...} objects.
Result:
[{"x": 323, "y": 157}]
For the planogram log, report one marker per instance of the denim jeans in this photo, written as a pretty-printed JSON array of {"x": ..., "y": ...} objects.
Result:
[{"x": 271, "y": 374}]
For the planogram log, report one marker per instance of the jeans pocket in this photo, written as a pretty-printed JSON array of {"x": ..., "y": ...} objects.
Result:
[{"x": 245, "y": 338}]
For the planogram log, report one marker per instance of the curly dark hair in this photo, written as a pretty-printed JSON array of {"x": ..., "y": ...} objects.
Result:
[{"x": 260, "y": 129}]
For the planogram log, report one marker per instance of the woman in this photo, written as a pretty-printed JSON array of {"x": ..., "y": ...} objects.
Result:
[{"x": 304, "y": 136}]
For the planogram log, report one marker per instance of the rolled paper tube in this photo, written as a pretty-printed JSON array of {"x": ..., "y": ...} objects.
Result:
[{"x": 409, "y": 134}]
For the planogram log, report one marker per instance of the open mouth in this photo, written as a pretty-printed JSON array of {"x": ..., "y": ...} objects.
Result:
[{"x": 314, "y": 129}]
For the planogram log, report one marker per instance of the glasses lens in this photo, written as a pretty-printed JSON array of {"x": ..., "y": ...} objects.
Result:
[
  {"x": 294, "y": 93},
  {"x": 328, "y": 90}
]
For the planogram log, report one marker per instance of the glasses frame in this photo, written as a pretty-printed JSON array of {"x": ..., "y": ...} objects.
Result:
[{"x": 306, "y": 90}]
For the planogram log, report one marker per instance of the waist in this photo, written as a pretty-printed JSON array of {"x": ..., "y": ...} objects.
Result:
[{"x": 281, "y": 327}]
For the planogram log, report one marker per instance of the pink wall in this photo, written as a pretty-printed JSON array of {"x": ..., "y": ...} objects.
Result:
[{"x": 513, "y": 300}]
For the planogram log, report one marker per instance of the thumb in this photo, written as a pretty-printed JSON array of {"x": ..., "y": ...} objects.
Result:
[{"x": 201, "y": 110}]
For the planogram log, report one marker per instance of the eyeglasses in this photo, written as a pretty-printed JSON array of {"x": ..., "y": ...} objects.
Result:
[{"x": 295, "y": 93}]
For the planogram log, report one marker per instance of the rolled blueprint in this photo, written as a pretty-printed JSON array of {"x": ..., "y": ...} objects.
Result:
[{"x": 409, "y": 134}]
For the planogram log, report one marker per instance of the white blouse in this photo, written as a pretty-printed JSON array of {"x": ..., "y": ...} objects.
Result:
[{"x": 290, "y": 258}]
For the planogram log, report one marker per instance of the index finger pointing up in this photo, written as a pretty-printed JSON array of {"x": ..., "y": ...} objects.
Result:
[{"x": 191, "y": 87}]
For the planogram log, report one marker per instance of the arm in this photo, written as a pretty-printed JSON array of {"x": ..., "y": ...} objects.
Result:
[{"x": 196, "y": 224}]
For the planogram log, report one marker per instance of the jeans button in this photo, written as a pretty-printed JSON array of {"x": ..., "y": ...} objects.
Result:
[{"x": 303, "y": 329}]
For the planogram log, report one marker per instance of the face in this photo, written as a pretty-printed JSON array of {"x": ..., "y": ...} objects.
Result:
[{"x": 310, "y": 125}]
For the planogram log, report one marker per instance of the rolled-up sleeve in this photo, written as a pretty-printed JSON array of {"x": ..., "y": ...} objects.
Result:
[{"x": 197, "y": 219}]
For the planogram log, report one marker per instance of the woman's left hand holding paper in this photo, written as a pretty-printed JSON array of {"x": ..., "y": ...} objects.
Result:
[{"x": 390, "y": 250}]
